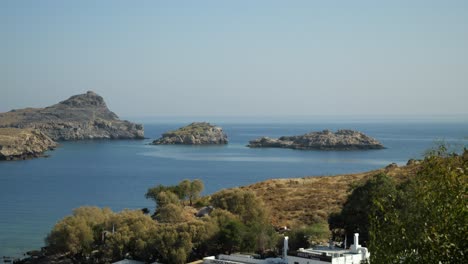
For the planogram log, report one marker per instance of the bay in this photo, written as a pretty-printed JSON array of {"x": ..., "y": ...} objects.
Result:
[{"x": 36, "y": 193}]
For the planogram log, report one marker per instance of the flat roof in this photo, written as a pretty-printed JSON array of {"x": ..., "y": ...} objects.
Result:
[{"x": 325, "y": 249}]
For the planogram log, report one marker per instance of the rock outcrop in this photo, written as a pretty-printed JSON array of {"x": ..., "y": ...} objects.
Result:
[
  {"x": 16, "y": 143},
  {"x": 83, "y": 116},
  {"x": 325, "y": 140},
  {"x": 194, "y": 134}
]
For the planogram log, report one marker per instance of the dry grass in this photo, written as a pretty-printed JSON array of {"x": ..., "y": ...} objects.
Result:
[
  {"x": 302, "y": 201},
  {"x": 8, "y": 136},
  {"x": 15, "y": 117}
]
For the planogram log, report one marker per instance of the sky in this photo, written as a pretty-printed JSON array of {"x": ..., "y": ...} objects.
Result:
[{"x": 238, "y": 58}]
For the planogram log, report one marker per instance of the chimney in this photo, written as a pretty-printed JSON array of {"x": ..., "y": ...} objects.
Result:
[
  {"x": 356, "y": 239},
  {"x": 285, "y": 247},
  {"x": 354, "y": 247}
]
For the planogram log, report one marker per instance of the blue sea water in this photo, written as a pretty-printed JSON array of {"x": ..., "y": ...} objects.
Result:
[{"x": 34, "y": 194}]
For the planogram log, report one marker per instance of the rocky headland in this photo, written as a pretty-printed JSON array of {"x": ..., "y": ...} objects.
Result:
[
  {"x": 29, "y": 132},
  {"x": 19, "y": 144},
  {"x": 83, "y": 116},
  {"x": 325, "y": 140},
  {"x": 194, "y": 134}
]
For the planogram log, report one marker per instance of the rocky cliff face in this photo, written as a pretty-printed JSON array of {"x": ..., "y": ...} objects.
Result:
[
  {"x": 194, "y": 134},
  {"x": 16, "y": 143},
  {"x": 83, "y": 116},
  {"x": 324, "y": 140}
]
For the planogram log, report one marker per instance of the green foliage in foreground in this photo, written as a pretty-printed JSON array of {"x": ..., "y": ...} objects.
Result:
[
  {"x": 428, "y": 221},
  {"x": 354, "y": 217},
  {"x": 422, "y": 220},
  {"x": 172, "y": 235}
]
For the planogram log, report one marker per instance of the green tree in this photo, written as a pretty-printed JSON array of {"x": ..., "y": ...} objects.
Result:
[
  {"x": 355, "y": 215},
  {"x": 252, "y": 212},
  {"x": 428, "y": 222},
  {"x": 231, "y": 235},
  {"x": 186, "y": 189},
  {"x": 245, "y": 204},
  {"x": 153, "y": 192},
  {"x": 130, "y": 234},
  {"x": 170, "y": 213},
  {"x": 164, "y": 198},
  {"x": 77, "y": 233},
  {"x": 173, "y": 244},
  {"x": 307, "y": 236},
  {"x": 196, "y": 187},
  {"x": 72, "y": 234}
]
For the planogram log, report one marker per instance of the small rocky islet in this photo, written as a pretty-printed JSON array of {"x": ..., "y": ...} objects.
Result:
[
  {"x": 343, "y": 139},
  {"x": 28, "y": 132},
  {"x": 197, "y": 133}
]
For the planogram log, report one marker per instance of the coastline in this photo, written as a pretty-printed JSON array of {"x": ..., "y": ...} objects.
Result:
[{"x": 115, "y": 166}]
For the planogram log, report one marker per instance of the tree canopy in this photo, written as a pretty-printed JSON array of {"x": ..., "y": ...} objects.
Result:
[
  {"x": 173, "y": 234},
  {"x": 428, "y": 221},
  {"x": 354, "y": 217},
  {"x": 423, "y": 219}
]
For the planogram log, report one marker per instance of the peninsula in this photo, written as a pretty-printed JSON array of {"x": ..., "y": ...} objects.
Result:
[
  {"x": 344, "y": 139},
  {"x": 28, "y": 132},
  {"x": 198, "y": 133}
]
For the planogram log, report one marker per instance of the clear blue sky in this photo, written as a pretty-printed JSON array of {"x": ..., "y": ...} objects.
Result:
[{"x": 149, "y": 58}]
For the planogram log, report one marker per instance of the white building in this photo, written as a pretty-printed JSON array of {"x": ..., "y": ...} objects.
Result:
[{"x": 318, "y": 255}]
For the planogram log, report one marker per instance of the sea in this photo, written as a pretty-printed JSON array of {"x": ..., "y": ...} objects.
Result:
[{"x": 36, "y": 193}]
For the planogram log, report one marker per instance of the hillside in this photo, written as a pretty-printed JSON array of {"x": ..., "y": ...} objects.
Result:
[{"x": 298, "y": 201}]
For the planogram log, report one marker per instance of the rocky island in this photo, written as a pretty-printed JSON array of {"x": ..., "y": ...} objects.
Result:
[
  {"x": 325, "y": 140},
  {"x": 200, "y": 133},
  {"x": 29, "y": 132}
]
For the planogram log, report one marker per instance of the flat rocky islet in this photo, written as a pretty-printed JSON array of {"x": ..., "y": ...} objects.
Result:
[
  {"x": 197, "y": 133},
  {"x": 343, "y": 139},
  {"x": 83, "y": 116}
]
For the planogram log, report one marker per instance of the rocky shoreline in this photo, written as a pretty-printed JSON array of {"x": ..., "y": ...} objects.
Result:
[
  {"x": 21, "y": 144},
  {"x": 198, "y": 133},
  {"x": 344, "y": 139}
]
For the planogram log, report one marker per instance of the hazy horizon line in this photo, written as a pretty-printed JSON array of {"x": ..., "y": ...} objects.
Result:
[{"x": 351, "y": 118}]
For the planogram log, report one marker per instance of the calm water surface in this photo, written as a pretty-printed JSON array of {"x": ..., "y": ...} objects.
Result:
[{"x": 36, "y": 193}]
